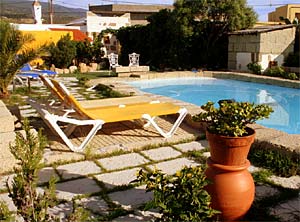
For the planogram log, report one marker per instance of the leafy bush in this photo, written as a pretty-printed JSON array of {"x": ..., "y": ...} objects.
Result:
[
  {"x": 82, "y": 80},
  {"x": 292, "y": 76},
  {"x": 254, "y": 67},
  {"x": 276, "y": 162},
  {"x": 107, "y": 92},
  {"x": 179, "y": 197},
  {"x": 275, "y": 71},
  {"x": 231, "y": 118},
  {"x": 5, "y": 214},
  {"x": 88, "y": 52}
]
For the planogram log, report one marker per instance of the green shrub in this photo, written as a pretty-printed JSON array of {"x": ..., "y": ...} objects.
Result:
[
  {"x": 5, "y": 214},
  {"x": 275, "y": 71},
  {"x": 179, "y": 197},
  {"x": 292, "y": 76},
  {"x": 82, "y": 80},
  {"x": 107, "y": 92},
  {"x": 275, "y": 161},
  {"x": 232, "y": 118},
  {"x": 254, "y": 67}
]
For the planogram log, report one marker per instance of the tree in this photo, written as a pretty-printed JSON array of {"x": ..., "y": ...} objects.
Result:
[
  {"x": 169, "y": 43},
  {"x": 88, "y": 52},
  {"x": 62, "y": 53},
  {"x": 97, "y": 51},
  {"x": 209, "y": 21},
  {"x": 193, "y": 35},
  {"x": 14, "y": 53},
  {"x": 83, "y": 51}
]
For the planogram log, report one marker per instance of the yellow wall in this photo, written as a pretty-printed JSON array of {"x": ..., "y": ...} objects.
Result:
[{"x": 46, "y": 37}]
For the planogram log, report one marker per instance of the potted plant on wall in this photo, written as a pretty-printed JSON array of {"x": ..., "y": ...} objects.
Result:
[{"x": 230, "y": 138}]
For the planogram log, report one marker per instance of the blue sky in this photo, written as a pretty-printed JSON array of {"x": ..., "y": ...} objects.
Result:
[{"x": 262, "y": 7}]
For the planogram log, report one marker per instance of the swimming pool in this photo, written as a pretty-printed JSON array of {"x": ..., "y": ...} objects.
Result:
[{"x": 284, "y": 101}]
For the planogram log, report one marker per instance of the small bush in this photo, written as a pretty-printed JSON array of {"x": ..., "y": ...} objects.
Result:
[
  {"x": 5, "y": 214},
  {"x": 107, "y": 92},
  {"x": 275, "y": 161},
  {"x": 82, "y": 80},
  {"x": 179, "y": 197},
  {"x": 275, "y": 72},
  {"x": 292, "y": 76},
  {"x": 254, "y": 67}
]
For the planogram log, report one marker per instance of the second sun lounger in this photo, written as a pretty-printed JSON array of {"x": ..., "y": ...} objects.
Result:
[{"x": 76, "y": 115}]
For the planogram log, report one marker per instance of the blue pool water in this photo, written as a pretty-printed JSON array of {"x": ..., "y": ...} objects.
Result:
[{"x": 284, "y": 101}]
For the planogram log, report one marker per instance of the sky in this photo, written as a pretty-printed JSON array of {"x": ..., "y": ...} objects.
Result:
[{"x": 262, "y": 7}]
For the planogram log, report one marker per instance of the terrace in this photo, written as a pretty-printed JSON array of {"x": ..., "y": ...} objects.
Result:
[{"x": 100, "y": 177}]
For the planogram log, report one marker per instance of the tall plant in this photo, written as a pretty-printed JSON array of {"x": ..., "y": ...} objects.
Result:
[
  {"x": 14, "y": 53},
  {"x": 28, "y": 150}
]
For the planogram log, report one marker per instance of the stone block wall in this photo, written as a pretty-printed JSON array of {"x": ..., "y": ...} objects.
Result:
[
  {"x": 278, "y": 42},
  {"x": 263, "y": 46},
  {"x": 7, "y": 136}
]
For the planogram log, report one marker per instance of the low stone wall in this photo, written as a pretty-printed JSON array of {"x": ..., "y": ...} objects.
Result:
[
  {"x": 127, "y": 71},
  {"x": 254, "y": 78},
  {"x": 7, "y": 136}
]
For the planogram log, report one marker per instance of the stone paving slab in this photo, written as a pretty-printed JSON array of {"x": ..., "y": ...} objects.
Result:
[
  {"x": 4, "y": 179},
  {"x": 288, "y": 211},
  {"x": 45, "y": 174},
  {"x": 61, "y": 211},
  {"x": 4, "y": 197},
  {"x": 96, "y": 204},
  {"x": 291, "y": 182},
  {"x": 118, "y": 178},
  {"x": 122, "y": 161},
  {"x": 70, "y": 189},
  {"x": 131, "y": 199},
  {"x": 78, "y": 169},
  {"x": 192, "y": 146},
  {"x": 172, "y": 166},
  {"x": 161, "y": 153},
  {"x": 263, "y": 191},
  {"x": 139, "y": 216},
  {"x": 63, "y": 154}
]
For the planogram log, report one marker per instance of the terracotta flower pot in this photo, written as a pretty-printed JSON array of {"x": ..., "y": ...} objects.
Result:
[
  {"x": 228, "y": 150},
  {"x": 232, "y": 189}
]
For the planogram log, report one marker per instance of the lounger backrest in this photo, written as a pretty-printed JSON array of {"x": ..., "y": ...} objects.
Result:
[
  {"x": 51, "y": 87},
  {"x": 68, "y": 98}
]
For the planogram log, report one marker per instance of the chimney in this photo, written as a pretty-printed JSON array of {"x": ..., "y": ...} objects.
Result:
[{"x": 37, "y": 12}]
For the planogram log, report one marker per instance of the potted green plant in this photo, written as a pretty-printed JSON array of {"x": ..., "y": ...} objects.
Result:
[
  {"x": 230, "y": 138},
  {"x": 229, "y": 124}
]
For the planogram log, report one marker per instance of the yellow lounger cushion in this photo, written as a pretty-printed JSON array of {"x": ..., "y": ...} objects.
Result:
[{"x": 130, "y": 112}]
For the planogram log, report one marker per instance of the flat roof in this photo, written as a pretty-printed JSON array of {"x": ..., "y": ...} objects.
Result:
[
  {"x": 122, "y": 8},
  {"x": 261, "y": 29}
]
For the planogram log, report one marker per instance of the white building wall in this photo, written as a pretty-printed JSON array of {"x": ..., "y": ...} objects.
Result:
[
  {"x": 242, "y": 60},
  {"x": 96, "y": 23},
  {"x": 266, "y": 58}
]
